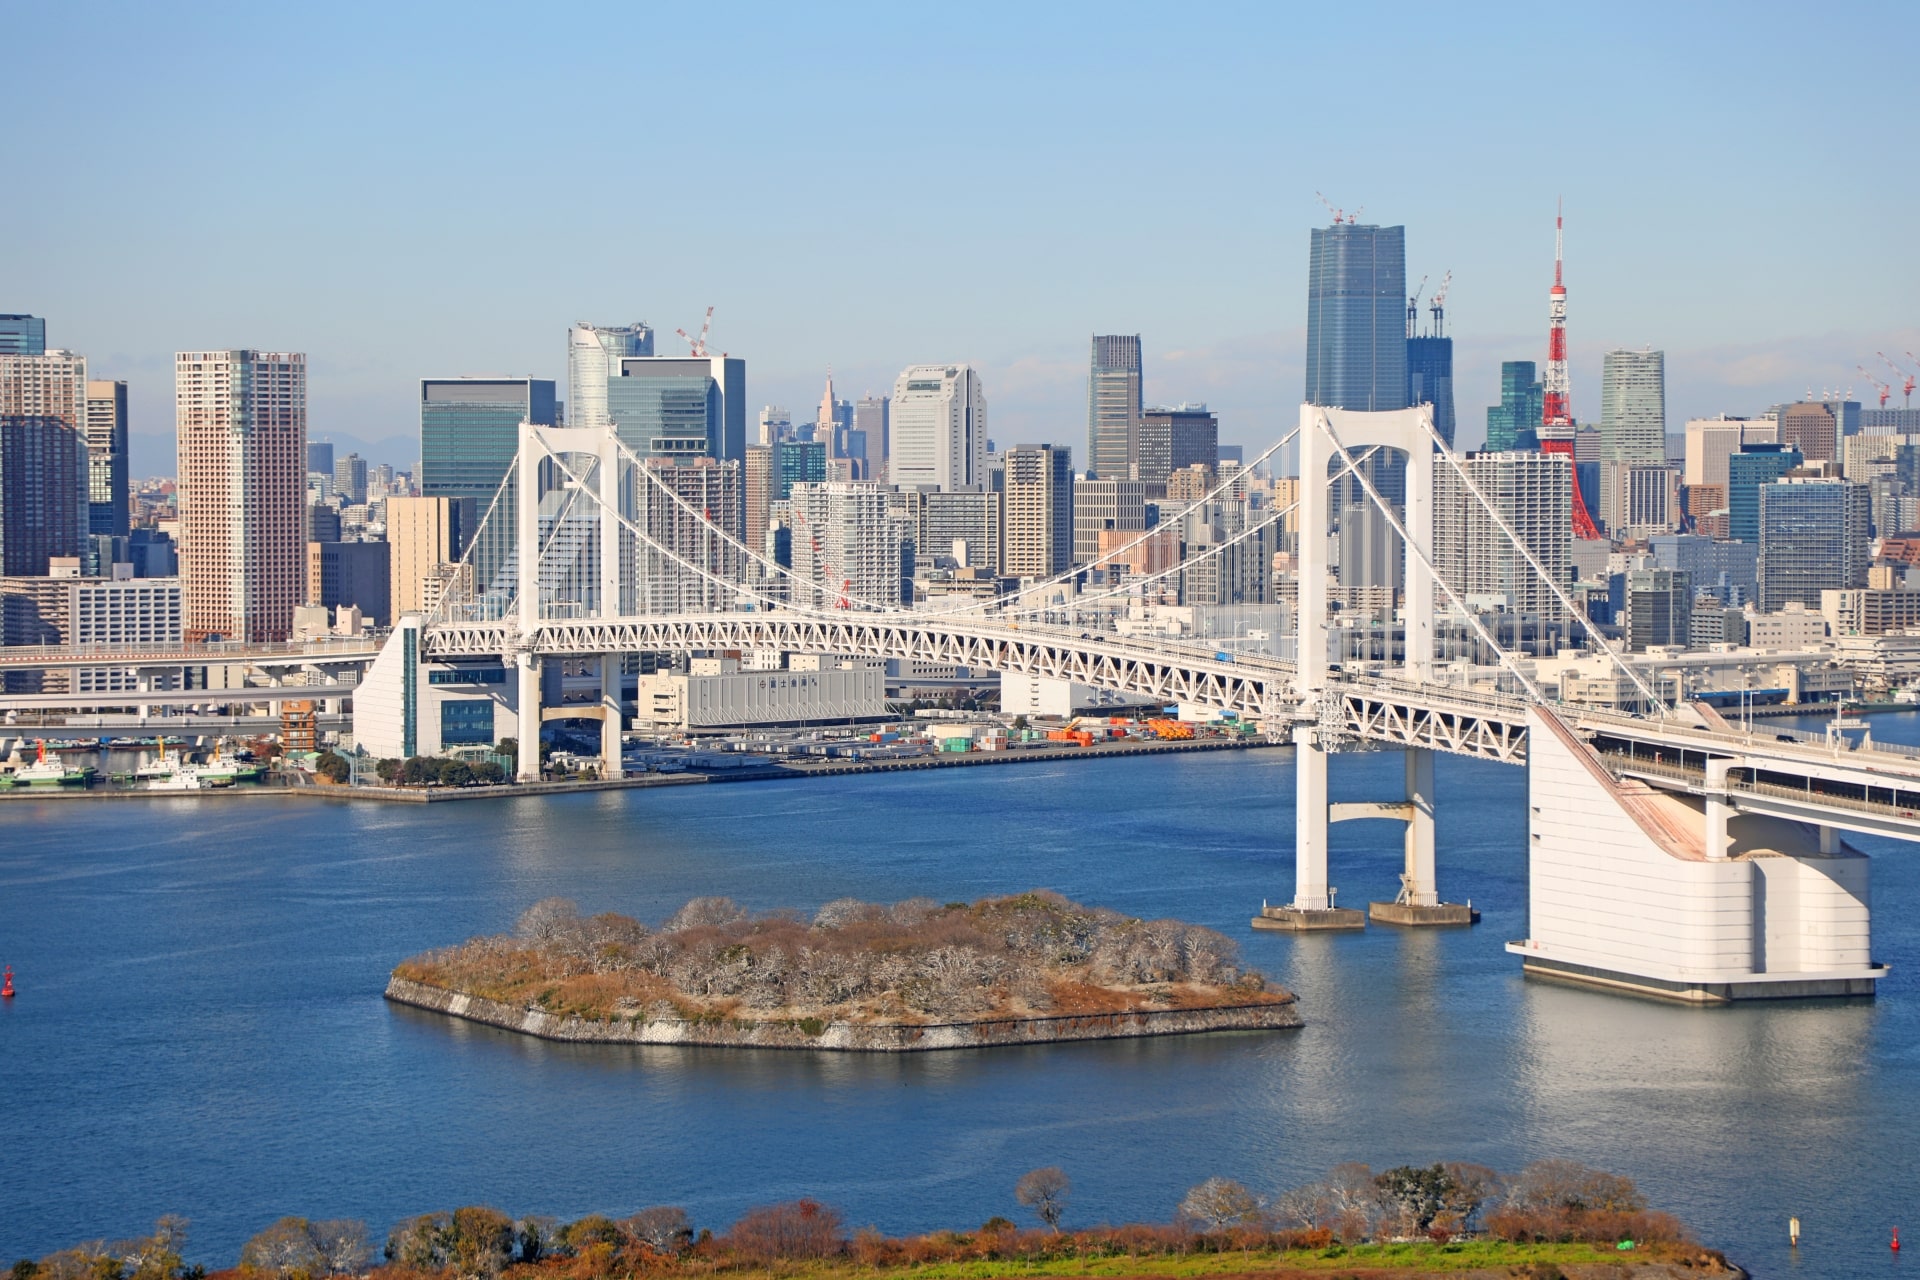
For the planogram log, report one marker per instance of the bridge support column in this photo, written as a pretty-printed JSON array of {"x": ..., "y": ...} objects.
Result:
[
  {"x": 610, "y": 710},
  {"x": 527, "y": 709},
  {"x": 1719, "y": 812},
  {"x": 1419, "y": 902},
  {"x": 1313, "y": 907}
]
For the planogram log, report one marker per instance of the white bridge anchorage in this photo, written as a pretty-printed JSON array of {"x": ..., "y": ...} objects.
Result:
[{"x": 1670, "y": 854}]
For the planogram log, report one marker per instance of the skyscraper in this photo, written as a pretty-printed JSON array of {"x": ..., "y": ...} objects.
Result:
[
  {"x": 1356, "y": 325},
  {"x": 1038, "y": 511},
  {"x": 1747, "y": 470},
  {"x": 1813, "y": 538},
  {"x": 425, "y": 536},
  {"x": 680, "y": 406},
  {"x": 1105, "y": 506},
  {"x": 1430, "y": 380},
  {"x": 1633, "y": 407},
  {"x": 1813, "y": 428},
  {"x": 1514, "y": 423},
  {"x": 1172, "y": 438},
  {"x": 242, "y": 424},
  {"x": 23, "y": 336},
  {"x": 797, "y": 462},
  {"x": 870, "y": 417},
  {"x": 43, "y": 460},
  {"x": 1533, "y": 492},
  {"x": 320, "y": 457},
  {"x": 690, "y": 507},
  {"x": 1113, "y": 406},
  {"x": 757, "y": 496},
  {"x": 594, "y": 353},
  {"x": 469, "y": 435},
  {"x": 939, "y": 428},
  {"x": 107, "y": 481},
  {"x": 350, "y": 479},
  {"x": 847, "y": 541}
]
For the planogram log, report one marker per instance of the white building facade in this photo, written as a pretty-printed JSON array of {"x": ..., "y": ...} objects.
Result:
[{"x": 938, "y": 425}]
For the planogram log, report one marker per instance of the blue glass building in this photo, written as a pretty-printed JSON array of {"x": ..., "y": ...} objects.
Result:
[
  {"x": 1356, "y": 317},
  {"x": 469, "y": 433},
  {"x": 1747, "y": 470},
  {"x": 23, "y": 336},
  {"x": 1514, "y": 423},
  {"x": 680, "y": 406},
  {"x": 1430, "y": 380}
]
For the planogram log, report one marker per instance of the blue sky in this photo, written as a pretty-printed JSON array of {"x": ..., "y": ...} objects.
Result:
[{"x": 416, "y": 190}]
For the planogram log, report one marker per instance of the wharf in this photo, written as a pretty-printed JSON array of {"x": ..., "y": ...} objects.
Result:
[{"x": 770, "y": 771}]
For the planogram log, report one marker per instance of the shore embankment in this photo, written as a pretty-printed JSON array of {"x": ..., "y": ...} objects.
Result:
[{"x": 842, "y": 1036}]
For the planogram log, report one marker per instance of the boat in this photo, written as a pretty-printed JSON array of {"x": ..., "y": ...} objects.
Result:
[
  {"x": 50, "y": 772},
  {"x": 224, "y": 770},
  {"x": 186, "y": 777},
  {"x": 159, "y": 767}
]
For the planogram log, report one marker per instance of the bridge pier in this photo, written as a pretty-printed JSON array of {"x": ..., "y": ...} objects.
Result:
[
  {"x": 610, "y": 766},
  {"x": 1312, "y": 908},
  {"x": 527, "y": 711}
]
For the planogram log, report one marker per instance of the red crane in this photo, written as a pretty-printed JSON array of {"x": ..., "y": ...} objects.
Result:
[
  {"x": 699, "y": 344},
  {"x": 1906, "y": 384},
  {"x": 1884, "y": 389}
]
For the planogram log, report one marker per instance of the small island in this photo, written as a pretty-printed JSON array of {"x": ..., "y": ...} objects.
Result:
[{"x": 915, "y": 975}]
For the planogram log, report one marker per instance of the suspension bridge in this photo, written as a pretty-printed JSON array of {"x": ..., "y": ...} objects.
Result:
[{"x": 1671, "y": 853}]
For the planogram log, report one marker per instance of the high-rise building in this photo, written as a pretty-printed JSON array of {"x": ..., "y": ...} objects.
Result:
[
  {"x": 354, "y": 574},
  {"x": 964, "y": 527},
  {"x": 23, "y": 336},
  {"x": 1430, "y": 380},
  {"x": 1659, "y": 608},
  {"x": 1356, "y": 328},
  {"x": 1729, "y": 571},
  {"x": 797, "y": 462},
  {"x": 1105, "y": 506},
  {"x": 1533, "y": 493},
  {"x": 1711, "y": 441},
  {"x": 1038, "y": 537},
  {"x": 1113, "y": 406},
  {"x": 680, "y": 406},
  {"x": 108, "y": 496},
  {"x": 242, "y": 424},
  {"x": 1633, "y": 406},
  {"x": 1173, "y": 437},
  {"x": 870, "y": 417},
  {"x": 594, "y": 353},
  {"x": 776, "y": 424},
  {"x": 1638, "y": 499},
  {"x": 320, "y": 457},
  {"x": 350, "y": 479},
  {"x": 1747, "y": 470},
  {"x": 757, "y": 493},
  {"x": 425, "y": 536},
  {"x": 849, "y": 544},
  {"x": 1813, "y": 538},
  {"x": 1813, "y": 428},
  {"x": 939, "y": 428},
  {"x": 1514, "y": 423},
  {"x": 469, "y": 436},
  {"x": 691, "y": 509},
  {"x": 44, "y": 498}
]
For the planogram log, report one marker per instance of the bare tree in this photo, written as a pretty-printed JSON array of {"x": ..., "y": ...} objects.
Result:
[
  {"x": 1045, "y": 1192},
  {"x": 1219, "y": 1203},
  {"x": 547, "y": 921},
  {"x": 1568, "y": 1184},
  {"x": 704, "y": 912},
  {"x": 665, "y": 1229},
  {"x": 286, "y": 1248}
]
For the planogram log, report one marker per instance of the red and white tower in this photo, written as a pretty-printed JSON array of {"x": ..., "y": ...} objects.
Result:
[{"x": 1556, "y": 413}]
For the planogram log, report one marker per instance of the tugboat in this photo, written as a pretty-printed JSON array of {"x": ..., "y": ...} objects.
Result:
[
  {"x": 54, "y": 772},
  {"x": 223, "y": 770},
  {"x": 157, "y": 769}
]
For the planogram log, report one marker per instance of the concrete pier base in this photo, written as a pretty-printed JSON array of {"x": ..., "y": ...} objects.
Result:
[
  {"x": 1302, "y": 920},
  {"x": 1685, "y": 991},
  {"x": 1414, "y": 916}
]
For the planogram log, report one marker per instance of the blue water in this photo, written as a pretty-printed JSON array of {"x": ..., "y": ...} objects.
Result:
[{"x": 200, "y": 1028}]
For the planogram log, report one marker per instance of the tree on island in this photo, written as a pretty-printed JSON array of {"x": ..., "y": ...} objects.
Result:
[
  {"x": 1045, "y": 1192},
  {"x": 1220, "y": 1203}
]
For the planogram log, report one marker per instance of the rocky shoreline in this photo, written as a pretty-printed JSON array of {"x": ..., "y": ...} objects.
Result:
[{"x": 843, "y": 1036}]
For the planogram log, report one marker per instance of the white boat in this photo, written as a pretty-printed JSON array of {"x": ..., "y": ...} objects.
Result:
[
  {"x": 184, "y": 778},
  {"x": 49, "y": 772}
]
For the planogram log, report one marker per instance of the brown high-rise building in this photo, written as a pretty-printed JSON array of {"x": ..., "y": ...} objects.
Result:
[
  {"x": 425, "y": 536},
  {"x": 1811, "y": 427},
  {"x": 242, "y": 423},
  {"x": 43, "y": 460}
]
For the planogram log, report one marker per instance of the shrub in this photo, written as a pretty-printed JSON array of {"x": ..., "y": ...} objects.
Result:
[{"x": 795, "y": 1229}]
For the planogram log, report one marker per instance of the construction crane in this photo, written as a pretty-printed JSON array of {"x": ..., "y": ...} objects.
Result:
[
  {"x": 699, "y": 344},
  {"x": 1439, "y": 304},
  {"x": 1413, "y": 308},
  {"x": 1339, "y": 215},
  {"x": 1906, "y": 379},
  {"x": 1883, "y": 388}
]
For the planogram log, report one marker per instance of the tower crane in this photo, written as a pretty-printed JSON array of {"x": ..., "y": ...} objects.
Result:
[
  {"x": 1906, "y": 379},
  {"x": 1439, "y": 304},
  {"x": 1339, "y": 215},
  {"x": 1413, "y": 308},
  {"x": 1884, "y": 390},
  {"x": 699, "y": 344}
]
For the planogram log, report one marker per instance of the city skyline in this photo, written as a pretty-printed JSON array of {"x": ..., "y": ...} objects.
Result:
[{"x": 388, "y": 284}]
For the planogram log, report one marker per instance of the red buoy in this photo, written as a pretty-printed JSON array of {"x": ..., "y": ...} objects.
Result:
[
  {"x": 6, "y": 985},
  {"x": 1896, "y": 1239}
]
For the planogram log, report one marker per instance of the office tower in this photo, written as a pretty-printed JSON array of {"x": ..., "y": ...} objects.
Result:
[
  {"x": 1633, "y": 406},
  {"x": 939, "y": 428},
  {"x": 965, "y": 528},
  {"x": 1514, "y": 423},
  {"x": 1533, "y": 492},
  {"x": 1372, "y": 569},
  {"x": 757, "y": 493},
  {"x": 797, "y": 462},
  {"x": 870, "y": 417},
  {"x": 425, "y": 536},
  {"x": 1747, "y": 470},
  {"x": 355, "y": 574},
  {"x": 1729, "y": 571},
  {"x": 1638, "y": 499},
  {"x": 1173, "y": 437},
  {"x": 23, "y": 336},
  {"x": 1813, "y": 428},
  {"x": 832, "y": 421},
  {"x": 1659, "y": 609},
  {"x": 469, "y": 435},
  {"x": 691, "y": 508},
  {"x": 1356, "y": 330},
  {"x": 680, "y": 406},
  {"x": 323, "y": 522},
  {"x": 1430, "y": 380},
  {"x": 594, "y": 353},
  {"x": 108, "y": 495},
  {"x": 1711, "y": 441},
  {"x": 44, "y": 499},
  {"x": 776, "y": 424},
  {"x": 1105, "y": 506},
  {"x": 1225, "y": 564},
  {"x": 1113, "y": 406},
  {"x": 1038, "y": 537},
  {"x": 849, "y": 545},
  {"x": 242, "y": 424},
  {"x": 1813, "y": 538},
  {"x": 350, "y": 479},
  {"x": 320, "y": 458}
]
